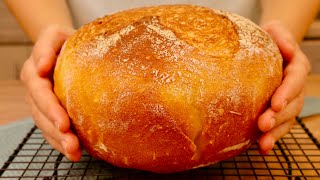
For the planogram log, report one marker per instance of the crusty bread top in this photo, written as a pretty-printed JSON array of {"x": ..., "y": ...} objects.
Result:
[
  {"x": 198, "y": 73},
  {"x": 215, "y": 34}
]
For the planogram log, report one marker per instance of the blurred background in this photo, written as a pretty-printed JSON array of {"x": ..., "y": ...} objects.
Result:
[{"x": 15, "y": 47}]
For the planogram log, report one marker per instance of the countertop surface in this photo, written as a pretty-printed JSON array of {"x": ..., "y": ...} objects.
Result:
[{"x": 13, "y": 106}]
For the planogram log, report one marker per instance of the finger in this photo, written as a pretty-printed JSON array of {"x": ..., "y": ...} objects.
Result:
[
  {"x": 283, "y": 38},
  {"x": 270, "y": 119},
  {"x": 266, "y": 121},
  {"x": 41, "y": 92},
  {"x": 71, "y": 146},
  {"x": 295, "y": 76},
  {"x": 47, "y": 47},
  {"x": 73, "y": 156},
  {"x": 291, "y": 111},
  {"x": 49, "y": 105},
  {"x": 43, "y": 123},
  {"x": 67, "y": 143},
  {"x": 54, "y": 143},
  {"x": 268, "y": 139},
  {"x": 67, "y": 139}
]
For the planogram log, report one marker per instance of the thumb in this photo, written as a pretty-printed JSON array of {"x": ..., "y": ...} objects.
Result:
[
  {"x": 283, "y": 38},
  {"x": 47, "y": 48}
]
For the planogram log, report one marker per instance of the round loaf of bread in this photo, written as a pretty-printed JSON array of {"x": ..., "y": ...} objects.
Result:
[{"x": 167, "y": 88}]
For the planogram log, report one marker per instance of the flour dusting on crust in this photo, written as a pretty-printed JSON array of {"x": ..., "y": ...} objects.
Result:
[{"x": 253, "y": 40}]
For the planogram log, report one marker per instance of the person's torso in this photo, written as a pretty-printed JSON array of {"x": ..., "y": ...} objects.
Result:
[{"x": 85, "y": 11}]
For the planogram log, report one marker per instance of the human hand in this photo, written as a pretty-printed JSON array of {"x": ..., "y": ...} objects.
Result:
[
  {"x": 287, "y": 100},
  {"x": 48, "y": 114}
]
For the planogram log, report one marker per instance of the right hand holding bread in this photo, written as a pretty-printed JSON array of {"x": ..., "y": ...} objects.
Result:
[
  {"x": 287, "y": 101},
  {"x": 48, "y": 114}
]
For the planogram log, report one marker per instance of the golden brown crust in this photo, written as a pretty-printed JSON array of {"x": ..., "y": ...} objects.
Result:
[{"x": 167, "y": 88}]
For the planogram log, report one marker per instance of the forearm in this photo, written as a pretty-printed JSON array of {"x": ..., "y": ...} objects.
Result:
[
  {"x": 296, "y": 15},
  {"x": 35, "y": 15}
]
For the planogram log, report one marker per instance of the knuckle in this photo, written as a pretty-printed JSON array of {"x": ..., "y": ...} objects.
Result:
[
  {"x": 24, "y": 75},
  {"x": 44, "y": 49},
  {"x": 308, "y": 66},
  {"x": 37, "y": 52},
  {"x": 40, "y": 51},
  {"x": 306, "y": 63}
]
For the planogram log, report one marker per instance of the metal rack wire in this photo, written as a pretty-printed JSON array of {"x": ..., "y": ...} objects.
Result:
[{"x": 295, "y": 156}]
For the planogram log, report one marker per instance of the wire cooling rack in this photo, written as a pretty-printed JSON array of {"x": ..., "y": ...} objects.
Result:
[{"x": 295, "y": 156}]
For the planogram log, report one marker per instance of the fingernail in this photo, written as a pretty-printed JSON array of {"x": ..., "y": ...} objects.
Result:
[{"x": 272, "y": 122}]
